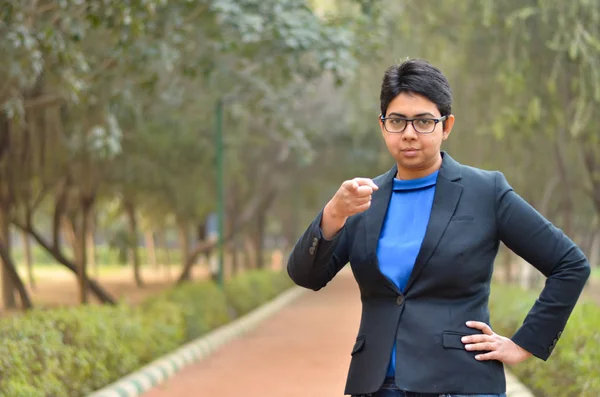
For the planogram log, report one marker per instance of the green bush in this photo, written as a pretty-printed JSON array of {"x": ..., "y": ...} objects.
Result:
[
  {"x": 246, "y": 292},
  {"x": 73, "y": 351},
  {"x": 573, "y": 369},
  {"x": 202, "y": 305}
]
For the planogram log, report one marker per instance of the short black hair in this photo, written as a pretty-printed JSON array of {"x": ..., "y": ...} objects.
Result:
[{"x": 420, "y": 77}]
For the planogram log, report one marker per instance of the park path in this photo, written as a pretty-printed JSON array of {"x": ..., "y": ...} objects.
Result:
[{"x": 303, "y": 350}]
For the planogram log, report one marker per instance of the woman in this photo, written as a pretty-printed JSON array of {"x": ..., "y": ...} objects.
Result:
[{"x": 421, "y": 240}]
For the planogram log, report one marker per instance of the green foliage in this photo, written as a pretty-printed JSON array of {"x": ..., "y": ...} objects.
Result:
[
  {"x": 74, "y": 351},
  {"x": 118, "y": 99},
  {"x": 66, "y": 352},
  {"x": 573, "y": 367},
  {"x": 203, "y": 307},
  {"x": 245, "y": 293}
]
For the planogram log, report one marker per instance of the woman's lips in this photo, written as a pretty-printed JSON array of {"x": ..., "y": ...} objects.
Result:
[{"x": 410, "y": 152}]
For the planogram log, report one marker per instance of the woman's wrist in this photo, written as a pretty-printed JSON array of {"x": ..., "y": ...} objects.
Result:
[{"x": 331, "y": 221}]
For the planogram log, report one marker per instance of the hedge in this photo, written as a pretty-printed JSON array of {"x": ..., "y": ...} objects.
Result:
[
  {"x": 573, "y": 369},
  {"x": 73, "y": 351}
]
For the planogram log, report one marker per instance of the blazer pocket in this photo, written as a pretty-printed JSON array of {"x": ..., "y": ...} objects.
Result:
[
  {"x": 358, "y": 346},
  {"x": 451, "y": 340},
  {"x": 462, "y": 218}
]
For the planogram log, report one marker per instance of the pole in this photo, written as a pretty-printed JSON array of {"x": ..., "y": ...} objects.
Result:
[{"x": 220, "y": 187}]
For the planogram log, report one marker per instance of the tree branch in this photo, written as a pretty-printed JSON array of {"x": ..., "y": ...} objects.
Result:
[{"x": 100, "y": 293}]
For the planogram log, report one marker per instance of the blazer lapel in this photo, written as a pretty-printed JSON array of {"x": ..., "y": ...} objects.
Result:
[
  {"x": 375, "y": 216},
  {"x": 447, "y": 194}
]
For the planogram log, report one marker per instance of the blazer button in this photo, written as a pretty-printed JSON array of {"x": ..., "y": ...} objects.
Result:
[{"x": 399, "y": 300}]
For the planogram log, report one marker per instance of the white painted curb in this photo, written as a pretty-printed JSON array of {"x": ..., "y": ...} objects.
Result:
[{"x": 158, "y": 371}]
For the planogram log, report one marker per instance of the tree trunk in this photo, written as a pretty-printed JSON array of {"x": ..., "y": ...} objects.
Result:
[
  {"x": 28, "y": 259},
  {"x": 184, "y": 246},
  {"x": 165, "y": 244},
  {"x": 566, "y": 188},
  {"x": 259, "y": 239},
  {"x": 201, "y": 235},
  {"x": 261, "y": 223},
  {"x": 291, "y": 229},
  {"x": 72, "y": 229},
  {"x": 91, "y": 245},
  {"x": 595, "y": 250},
  {"x": 81, "y": 233},
  {"x": 14, "y": 277},
  {"x": 508, "y": 265},
  {"x": 235, "y": 260},
  {"x": 249, "y": 253},
  {"x": 151, "y": 248},
  {"x": 525, "y": 273},
  {"x": 8, "y": 285},
  {"x": 68, "y": 229},
  {"x": 133, "y": 244}
]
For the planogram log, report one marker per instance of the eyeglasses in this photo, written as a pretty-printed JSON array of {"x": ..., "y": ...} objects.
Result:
[{"x": 421, "y": 125}]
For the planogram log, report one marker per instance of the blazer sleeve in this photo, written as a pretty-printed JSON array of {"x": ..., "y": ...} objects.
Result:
[
  {"x": 528, "y": 234},
  {"x": 314, "y": 261}
]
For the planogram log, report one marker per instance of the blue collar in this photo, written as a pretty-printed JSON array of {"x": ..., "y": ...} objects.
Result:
[{"x": 414, "y": 184}]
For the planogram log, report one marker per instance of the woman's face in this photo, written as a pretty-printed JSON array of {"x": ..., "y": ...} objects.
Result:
[{"x": 416, "y": 154}]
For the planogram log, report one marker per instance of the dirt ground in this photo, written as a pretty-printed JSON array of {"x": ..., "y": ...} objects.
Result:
[{"x": 58, "y": 286}]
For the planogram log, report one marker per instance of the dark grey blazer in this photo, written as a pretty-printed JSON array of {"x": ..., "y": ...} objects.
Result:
[{"x": 473, "y": 210}]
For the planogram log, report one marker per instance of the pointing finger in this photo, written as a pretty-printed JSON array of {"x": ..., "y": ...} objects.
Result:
[{"x": 366, "y": 182}]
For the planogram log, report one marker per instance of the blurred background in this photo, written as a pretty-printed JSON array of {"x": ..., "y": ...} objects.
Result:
[{"x": 136, "y": 136}]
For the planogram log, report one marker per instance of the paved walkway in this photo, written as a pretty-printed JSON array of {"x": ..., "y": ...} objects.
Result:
[{"x": 304, "y": 350}]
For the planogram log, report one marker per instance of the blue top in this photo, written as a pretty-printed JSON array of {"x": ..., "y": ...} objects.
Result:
[{"x": 403, "y": 232}]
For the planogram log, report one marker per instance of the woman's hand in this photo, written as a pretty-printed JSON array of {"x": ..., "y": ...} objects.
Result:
[
  {"x": 498, "y": 347},
  {"x": 352, "y": 197}
]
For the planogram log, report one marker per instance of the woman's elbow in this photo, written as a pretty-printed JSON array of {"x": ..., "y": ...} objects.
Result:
[
  {"x": 579, "y": 269},
  {"x": 585, "y": 271},
  {"x": 302, "y": 277}
]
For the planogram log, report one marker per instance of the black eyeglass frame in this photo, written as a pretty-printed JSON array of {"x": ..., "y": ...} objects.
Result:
[{"x": 411, "y": 121}]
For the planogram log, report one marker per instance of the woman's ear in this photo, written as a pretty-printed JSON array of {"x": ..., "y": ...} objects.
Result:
[
  {"x": 379, "y": 118},
  {"x": 448, "y": 124}
]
